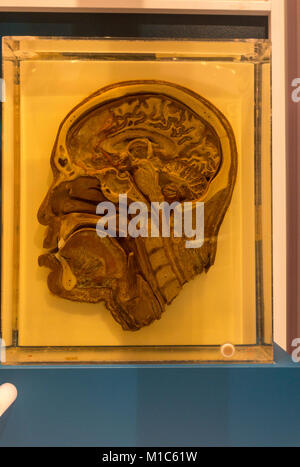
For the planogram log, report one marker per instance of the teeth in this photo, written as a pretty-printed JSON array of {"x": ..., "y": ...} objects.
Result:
[
  {"x": 61, "y": 243},
  {"x": 69, "y": 281}
]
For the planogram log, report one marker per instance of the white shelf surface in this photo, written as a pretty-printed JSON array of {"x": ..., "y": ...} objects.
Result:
[{"x": 142, "y": 6}]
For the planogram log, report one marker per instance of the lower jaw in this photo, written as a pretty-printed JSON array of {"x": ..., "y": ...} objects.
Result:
[{"x": 131, "y": 312}]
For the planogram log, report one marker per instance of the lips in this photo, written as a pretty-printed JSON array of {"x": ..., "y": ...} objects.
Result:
[{"x": 83, "y": 261}]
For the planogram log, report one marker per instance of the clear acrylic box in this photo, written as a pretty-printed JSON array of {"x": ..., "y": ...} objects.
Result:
[{"x": 222, "y": 314}]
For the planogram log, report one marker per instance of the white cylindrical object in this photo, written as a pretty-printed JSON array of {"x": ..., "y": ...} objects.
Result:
[{"x": 227, "y": 350}]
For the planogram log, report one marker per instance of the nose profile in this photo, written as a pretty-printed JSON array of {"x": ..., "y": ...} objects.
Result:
[{"x": 44, "y": 210}]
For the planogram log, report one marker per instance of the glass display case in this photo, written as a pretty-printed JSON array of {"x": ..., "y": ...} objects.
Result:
[{"x": 136, "y": 201}]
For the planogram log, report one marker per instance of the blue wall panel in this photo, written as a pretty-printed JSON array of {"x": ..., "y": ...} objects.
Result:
[{"x": 154, "y": 406}]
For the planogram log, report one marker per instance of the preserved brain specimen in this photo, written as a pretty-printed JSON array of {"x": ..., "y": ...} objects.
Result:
[{"x": 153, "y": 141}]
